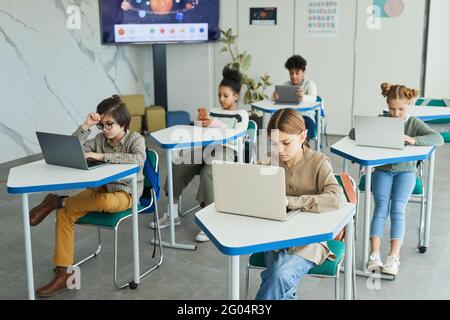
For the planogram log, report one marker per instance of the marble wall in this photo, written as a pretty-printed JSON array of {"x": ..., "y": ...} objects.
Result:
[{"x": 52, "y": 75}]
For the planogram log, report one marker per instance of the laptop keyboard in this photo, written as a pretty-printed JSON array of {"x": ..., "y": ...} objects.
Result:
[{"x": 93, "y": 163}]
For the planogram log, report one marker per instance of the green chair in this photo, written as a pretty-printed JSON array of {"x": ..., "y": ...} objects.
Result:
[
  {"x": 328, "y": 269},
  {"x": 252, "y": 133},
  {"x": 428, "y": 102},
  {"x": 418, "y": 196},
  {"x": 111, "y": 221}
]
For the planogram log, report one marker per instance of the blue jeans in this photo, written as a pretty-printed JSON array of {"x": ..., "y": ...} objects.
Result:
[
  {"x": 394, "y": 188},
  {"x": 280, "y": 279}
]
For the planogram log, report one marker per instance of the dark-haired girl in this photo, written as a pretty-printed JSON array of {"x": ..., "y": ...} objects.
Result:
[{"x": 228, "y": 116}]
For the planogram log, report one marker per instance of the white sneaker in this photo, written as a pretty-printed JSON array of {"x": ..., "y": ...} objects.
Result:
[
  {"x": 164, "y": 221},
  {"x": 201, "y": 237},
  {"x": 374, "y": 261},
  {"x": 391, "y": 265}
]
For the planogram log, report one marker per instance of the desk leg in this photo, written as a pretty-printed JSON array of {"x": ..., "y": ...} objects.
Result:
[
  {"x": 348, "y": 276},
  {"x": 429, "y": 199},
  {"x": 240, "y": 145},
  {"x": 345, "y": 166},
  {"x": 233, "y": 277},
  {"x": 172, "y": 243},
  {"x": 135, "y": 228},
  {"x": 265, "y": 120},
  {"x": 367, "y": 195},
  {"x": 319, "y": 129},
  {"x": 28, "y": 251}
]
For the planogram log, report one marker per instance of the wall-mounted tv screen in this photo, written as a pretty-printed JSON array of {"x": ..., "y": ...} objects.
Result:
[{"x": 159, "y": 21}]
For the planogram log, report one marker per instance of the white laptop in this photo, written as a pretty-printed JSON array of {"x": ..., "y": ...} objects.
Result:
[
  {"x": 383, "y": 132},
  {"x": 250, "y": 190},
  {"x": 287, "y": 95}
]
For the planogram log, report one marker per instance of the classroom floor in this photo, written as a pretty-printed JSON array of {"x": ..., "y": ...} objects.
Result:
[{"x": 202, "y": 274}]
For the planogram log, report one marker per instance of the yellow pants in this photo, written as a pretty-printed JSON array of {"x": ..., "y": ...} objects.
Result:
[{"x": 78, "y": 206}]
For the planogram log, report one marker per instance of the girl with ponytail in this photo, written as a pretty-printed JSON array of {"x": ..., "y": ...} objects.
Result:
[{"x": 392, "y": 185}]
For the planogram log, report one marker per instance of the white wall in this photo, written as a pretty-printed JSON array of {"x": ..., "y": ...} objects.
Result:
[
  {"x": 54, "y": 76},
  {"x": 391, "y": 54},
  {"x": 437, "y": 83},
  {"x": 51, "y": 77},
  {"x": 330, "y": 63}
]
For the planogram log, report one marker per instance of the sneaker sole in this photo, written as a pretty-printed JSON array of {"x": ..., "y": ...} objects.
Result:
[
  {"x": 375, "y": 267},
  {"x": 389, "y": 271}
]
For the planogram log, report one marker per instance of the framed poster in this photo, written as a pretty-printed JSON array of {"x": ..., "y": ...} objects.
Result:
[
  {"x": 323, "y": 18},
  {"x": 263, "y": 16}
]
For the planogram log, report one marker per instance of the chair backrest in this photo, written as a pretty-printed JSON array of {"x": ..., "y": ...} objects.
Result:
[
  {"x": 252, "y": 130},
  {"x": 151, "y": 179},
  {"x": 251, "y": 145},
  {"x": 430, "y": 102},
  {"x": 174, "y": 118},
  {"x": 348, "y": 184},
  {"x": 311, "y": 126},
  {"x": 322, "y": 110}
]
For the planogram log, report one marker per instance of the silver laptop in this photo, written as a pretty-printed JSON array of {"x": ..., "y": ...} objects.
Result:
[
  {"x": 287, "y": 95},
  {"x": 66, "y": 151},
  {"x": 383, "y": 132},
  {"x": 250, "y": 190}
]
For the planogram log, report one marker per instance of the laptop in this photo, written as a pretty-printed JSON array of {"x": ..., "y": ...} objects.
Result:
[
  {"x": 250, "y": 190},
  {"x": 383, "y": 132},
  {"x": 66, "y": 151},
  {"x": 287, "y": 95}
]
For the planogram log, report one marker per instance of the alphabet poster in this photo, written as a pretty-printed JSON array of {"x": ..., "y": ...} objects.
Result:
[{"x": 323, "y": 18}]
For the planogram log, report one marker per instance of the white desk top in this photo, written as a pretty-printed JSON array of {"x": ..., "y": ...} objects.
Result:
[
  {"x": 366, "y": 156},
  {"x": 179, "y": 137},
  {"x": 430, "y": 113},
  {"x": 238, "y": 235},
  {"x": 269, "y": 106},
  {"x": 38, "y": 176}
]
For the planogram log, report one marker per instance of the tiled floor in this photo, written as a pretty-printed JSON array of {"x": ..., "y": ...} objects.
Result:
[{"x": 202, "y": 274}]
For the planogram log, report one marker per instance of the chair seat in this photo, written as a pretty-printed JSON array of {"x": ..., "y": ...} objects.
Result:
[
  {"x": 418, "y": 188},
  {"x": 446, "y": 136},
  {"x": 328, "y": 268},
  {"x": 105, "y": 219}
]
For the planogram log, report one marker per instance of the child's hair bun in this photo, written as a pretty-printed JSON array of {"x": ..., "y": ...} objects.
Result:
[
  {"x": 232, "y": 74},
  {"x": 386, "y": 88},
  {"x": 411, "y": 93}
]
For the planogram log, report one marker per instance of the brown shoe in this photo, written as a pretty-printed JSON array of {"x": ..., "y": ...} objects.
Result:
[
  {"x": 58, "y": 284},
  {"x": 38, "y": 213}
]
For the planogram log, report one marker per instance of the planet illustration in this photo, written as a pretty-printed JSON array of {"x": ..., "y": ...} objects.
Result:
[{"x": 161, "y": 6}]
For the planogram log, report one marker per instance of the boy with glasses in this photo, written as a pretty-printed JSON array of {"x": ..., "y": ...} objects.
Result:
[{"x": 114, "y": 144}]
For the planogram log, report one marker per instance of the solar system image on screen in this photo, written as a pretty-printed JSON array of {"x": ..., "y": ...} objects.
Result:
[{"x": 159, "y": 21}]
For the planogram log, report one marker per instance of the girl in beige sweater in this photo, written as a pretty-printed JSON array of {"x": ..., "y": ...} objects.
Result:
[{"x": 310, "y": 186}]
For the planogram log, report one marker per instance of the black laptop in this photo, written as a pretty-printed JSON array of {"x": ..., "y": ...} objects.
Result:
[{"x": 66, "y": 151}]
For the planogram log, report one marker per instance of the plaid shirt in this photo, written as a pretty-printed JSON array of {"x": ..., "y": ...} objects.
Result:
[{"x": 131, "y": 149}]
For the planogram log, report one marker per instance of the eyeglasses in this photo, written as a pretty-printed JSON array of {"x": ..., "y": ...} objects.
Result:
[{"x": 107, "y": 125}]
